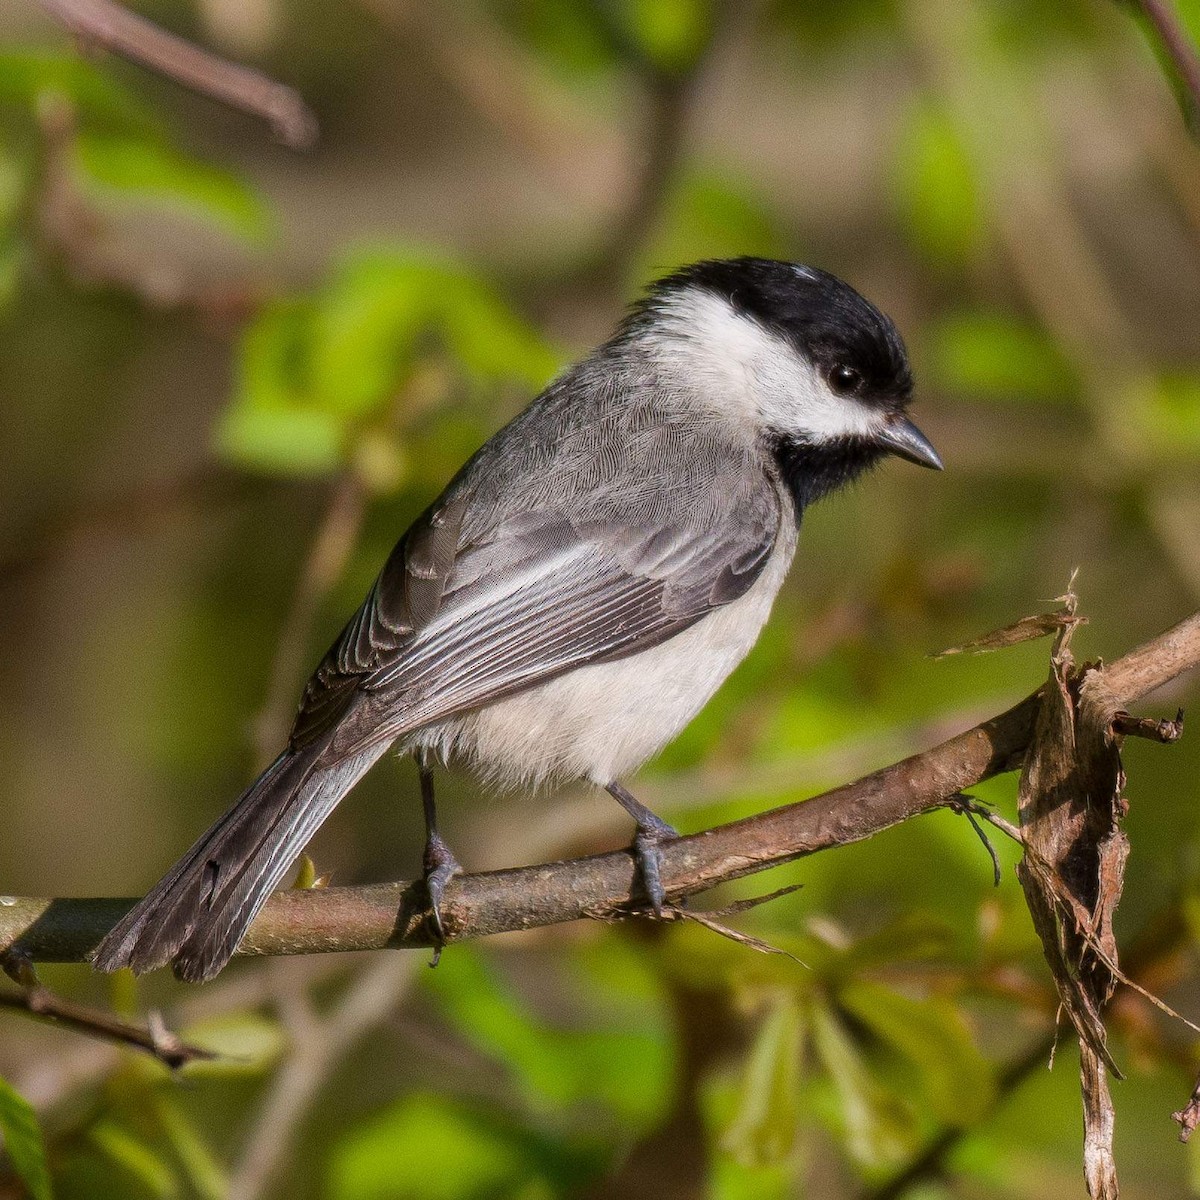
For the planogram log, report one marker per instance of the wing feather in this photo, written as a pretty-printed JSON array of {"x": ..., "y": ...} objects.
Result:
[{"x": 542, "y": 556}]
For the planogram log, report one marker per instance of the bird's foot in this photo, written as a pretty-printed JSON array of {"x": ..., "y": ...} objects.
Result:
[
  {"x": 440, "y": 867},
  {"x": 650, "y": 836}
]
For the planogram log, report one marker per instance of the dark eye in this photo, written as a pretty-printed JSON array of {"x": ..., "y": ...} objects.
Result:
[{"x": 845, "y": 380}]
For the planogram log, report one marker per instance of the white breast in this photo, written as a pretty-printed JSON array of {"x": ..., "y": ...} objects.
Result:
[{"x": 603, "y": 722}]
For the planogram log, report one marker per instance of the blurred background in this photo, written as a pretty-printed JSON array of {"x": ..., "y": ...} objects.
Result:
[{"x": 231, "y": 373}]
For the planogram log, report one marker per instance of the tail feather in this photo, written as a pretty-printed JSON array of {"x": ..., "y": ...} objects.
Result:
[{"x": 196, "y": 915}]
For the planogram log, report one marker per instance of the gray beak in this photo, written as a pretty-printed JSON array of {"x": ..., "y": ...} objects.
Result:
[{"x": 902, "y": 438}]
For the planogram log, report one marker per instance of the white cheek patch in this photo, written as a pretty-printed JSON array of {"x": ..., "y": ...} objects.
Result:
[{"x": 748, "y": 371}]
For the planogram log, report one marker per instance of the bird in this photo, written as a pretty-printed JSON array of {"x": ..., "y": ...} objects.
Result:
[{"x": 581, "y": 587}]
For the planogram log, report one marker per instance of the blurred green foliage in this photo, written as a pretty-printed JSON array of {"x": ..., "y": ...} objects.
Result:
[
  {"x": 23, "y": 1142},
  {"x": 200, "y": 336},
  {"x": 317, "y": 374}
]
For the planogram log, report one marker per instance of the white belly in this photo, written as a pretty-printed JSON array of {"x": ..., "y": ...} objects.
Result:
[{"x": 602, "y": 722}]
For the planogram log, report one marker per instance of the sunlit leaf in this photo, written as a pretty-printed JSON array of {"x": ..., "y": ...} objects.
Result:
[
  {"x": 270, "y": 424},
  {"x": 149, "y": 170},
  {"x": 246, "y": 1043},
  {"x": 997, "y": 356},
  {"x": 137, "y": 1159},
  {"x": 937, "y": 192},
  {"x": 299, "y": 441},
  {"x": 22, "y": 1137},
  {"x": 874, "y": 1128},
  {"x": 932, "y": 1035},
  {"x": 364, "y": 331},
  {"x": 622, "y": 1060},
  {"x": 314, "y": 374},
  {"x": 728, "y": 1177},
  {"x": 764, "y": 1128},
  {"x": 486, "y": 338}
]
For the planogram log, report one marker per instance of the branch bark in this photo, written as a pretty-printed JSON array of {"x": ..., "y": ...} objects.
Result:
[
  {"x": 395, "y": 915},
  {"x": 105, "y": 24}
]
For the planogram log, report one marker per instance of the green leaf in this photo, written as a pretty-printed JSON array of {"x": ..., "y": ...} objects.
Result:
[
  {"x": 486, "y": 338},
  {"x": 271, "y": 425},
  {"x": 364, "y": 332},
  {"x": 670, "y": 33},
  {"x": 133, "y": 1156},
  {"x": 998, "y": 356},
  {"x": 136, "y": 167},
  {"x": 431, "y": 1147},
  {"x": 937, "y": 193},
  {"x": 721, "y": 1097},
  {"x": 874, "y": 1128},
  {"x": 711, "y": 215},
  {"x": 763, "y": 1130},
  {"x": 932, "y": 1035},
  {"x": 1168, "y": 412},
  {"x": 246, "y": 1043},
  {"x": 621, "y": 1057},
  {"x": 203, "y": 1172},
  {"x": 371, "y": 321},
  {"x": 282, "y": 441},
  {"x": 27, "y": 75},
  {"x": 23, "y": 1141},
  {"x": 313, "y": 373}
]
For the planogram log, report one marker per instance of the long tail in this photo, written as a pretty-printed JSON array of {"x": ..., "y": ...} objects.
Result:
[{"x": 199, "y": 911}]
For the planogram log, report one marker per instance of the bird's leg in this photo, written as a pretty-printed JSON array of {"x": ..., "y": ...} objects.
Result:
[
  {"x": 652, "y": 831},
  {"x": 439, "y": 862}
]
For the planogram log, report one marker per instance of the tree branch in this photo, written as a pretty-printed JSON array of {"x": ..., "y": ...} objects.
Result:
[
  {"x": 1177, "y": 45},
  {"x": 107, "y": 25},
  {"x": 394, "y": 915},
  {"x": 41, "y": 1003}
]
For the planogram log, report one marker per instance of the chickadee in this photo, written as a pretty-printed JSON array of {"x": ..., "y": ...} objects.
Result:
[{"x": 581, "y": 588}]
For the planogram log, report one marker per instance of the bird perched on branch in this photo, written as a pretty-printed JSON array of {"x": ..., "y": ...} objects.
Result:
[{"x": 582, "y": 586}]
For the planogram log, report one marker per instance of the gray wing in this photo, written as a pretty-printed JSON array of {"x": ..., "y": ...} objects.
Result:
[{"x": 449, "y": 626}]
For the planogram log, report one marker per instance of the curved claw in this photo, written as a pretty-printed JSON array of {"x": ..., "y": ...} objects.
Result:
[
  {"x": 649, "y": 863},
  {"x": 440, "y": 867}
]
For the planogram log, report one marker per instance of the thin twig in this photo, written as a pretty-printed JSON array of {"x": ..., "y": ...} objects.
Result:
[
  {"x": 670, "y": 103},
  {"x": 327, "y": 557},
  {"x": 40, "y": 1002},
  {"x": 104, "y": 24},
  {"x": 1160, "y": 938},
  {"x": 395, "y": 914},
  {"x": 969, "y": 807},
  {"x": 318, "y": 1045},
  {"x": 1153, "y": 730},
  {"x": 1177, "y": 44}
]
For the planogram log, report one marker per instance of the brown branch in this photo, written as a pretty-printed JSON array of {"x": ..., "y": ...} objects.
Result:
[
  {"x": 394, "y": 915},
  {"x": 1158, "y": 941},
  {"x": 40, "y": 1002},
  {"x": 107, "y": 25},
  {"x": 1178, "y": 46}
]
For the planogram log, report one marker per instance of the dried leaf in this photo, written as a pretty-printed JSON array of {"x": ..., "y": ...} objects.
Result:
[
  {"x": 1024, "y": 630},
  {"x": 1071, "y": 806}
]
